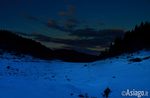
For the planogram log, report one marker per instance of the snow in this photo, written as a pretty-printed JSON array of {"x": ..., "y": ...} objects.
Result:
[{"x": 28, "y": 77}]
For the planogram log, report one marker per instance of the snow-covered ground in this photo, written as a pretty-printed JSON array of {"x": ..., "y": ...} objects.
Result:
[{"x": 28, "y": 77}]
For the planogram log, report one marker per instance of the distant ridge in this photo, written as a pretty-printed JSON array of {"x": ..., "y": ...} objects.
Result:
[{"x": 72, "y": 55}]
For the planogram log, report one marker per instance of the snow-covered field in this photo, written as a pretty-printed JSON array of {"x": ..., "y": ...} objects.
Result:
[{"x": 27, "y": 77}]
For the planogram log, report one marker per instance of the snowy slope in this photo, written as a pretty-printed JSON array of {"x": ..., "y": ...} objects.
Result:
[{"x": 27, "y": 77}]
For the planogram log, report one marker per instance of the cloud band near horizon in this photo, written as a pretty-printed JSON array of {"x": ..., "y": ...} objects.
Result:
[{"x": 100, "y": 38}]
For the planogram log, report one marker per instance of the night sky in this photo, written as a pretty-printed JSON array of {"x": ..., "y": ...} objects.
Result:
[{"x": 83, "y": 25}]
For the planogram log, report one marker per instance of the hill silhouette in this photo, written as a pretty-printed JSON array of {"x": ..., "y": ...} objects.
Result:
[
  {"x": 72, "y": 55},
  {"x": 17, "y": 44}
]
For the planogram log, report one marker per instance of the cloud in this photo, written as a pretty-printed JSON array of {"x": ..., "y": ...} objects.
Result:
[
  {"x": 112, "y": 32},
  {"x": 51, "y": 25},
  {"x": 80, "y": 45},
  {"x": 63, "y": 18},
  {"x": 71, "y": 10},
  {"x": 21, "y": 33},
  {"x": 95, "y": 25},
  {"x": 86, "y": 26},
  {"x": 25, "y": 34},
  {"x": 81, "y": 50},
  {"x": 83, "y": 21},
  {"x": 60, "y": 22},
  {"x": 39, "y": 37},
  {"x": 72, "y": 21},
  {"x": 52, "y": 21},
  {"x": 26, "y": 16},
  {"x": 69, "y": 25},
  {"x": 101, "y": 24},
  {"x": 116, "y": 29},
  {"x": 63, "y": 13},
  {"x": 90, "y": 32},
  {"x": 43, "y": 16}
]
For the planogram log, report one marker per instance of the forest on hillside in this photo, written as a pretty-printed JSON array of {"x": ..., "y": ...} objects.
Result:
[
  {"x": 133, "y": 40},
  {"x": 14, "y": 43}
]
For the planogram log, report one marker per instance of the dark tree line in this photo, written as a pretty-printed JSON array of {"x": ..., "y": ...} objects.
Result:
[
  {"x": 14, "y": 43},
  {"x": 134, "y": 40}
]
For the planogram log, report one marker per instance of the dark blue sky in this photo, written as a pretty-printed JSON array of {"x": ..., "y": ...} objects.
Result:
[{"x": 83, "y": 25}]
